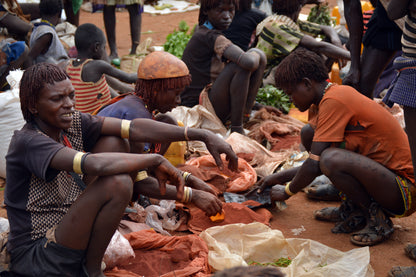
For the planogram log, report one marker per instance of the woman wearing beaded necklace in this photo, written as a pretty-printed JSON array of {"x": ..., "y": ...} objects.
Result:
[
  {"x": 59, "y": 224},
  {"x": 357, "y": 144}
]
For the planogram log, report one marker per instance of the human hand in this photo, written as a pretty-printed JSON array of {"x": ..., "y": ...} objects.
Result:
[
  {"x": 198, "y": 184},
  {"x": 164, "y": 172},
  {"x": 217, "y": 146},
  {"x": 265, "y": 182},
  {"x": 277, "y": 193},
  {"x": 207, "y": 202}
]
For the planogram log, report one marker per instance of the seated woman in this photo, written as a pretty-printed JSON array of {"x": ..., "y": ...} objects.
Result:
[
  {"x": 229, "y": 76},
  {"x": 60, "y": 225},
  {"x": 161, "y": 78}
]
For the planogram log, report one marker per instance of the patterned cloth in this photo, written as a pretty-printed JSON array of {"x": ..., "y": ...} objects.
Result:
[
  {"x": 278, "y": 36},
  {"x": 403, "y": 88},
  {"x": 89, "y": 96}
]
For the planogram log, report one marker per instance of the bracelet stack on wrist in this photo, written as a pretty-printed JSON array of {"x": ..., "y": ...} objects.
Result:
[
  {"x": 187, "y": 195},
  {"x": 185, "y": 176}
]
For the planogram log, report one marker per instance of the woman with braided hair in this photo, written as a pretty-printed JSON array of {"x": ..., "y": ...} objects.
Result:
[
  {"x": 161, "y": 79},
  {"x": 60, "y": 221}
]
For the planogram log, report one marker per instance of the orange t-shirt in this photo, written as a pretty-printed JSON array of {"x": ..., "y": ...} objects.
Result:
[{"x": 345, "y": 115}]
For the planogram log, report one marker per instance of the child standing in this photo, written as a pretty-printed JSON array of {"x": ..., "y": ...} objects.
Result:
[
  {"x": 89, "y": 71},
  {"x": 44, "y": 44},
  {"x": 357, "y": 144},
  {"x": 230, "y": 76}
]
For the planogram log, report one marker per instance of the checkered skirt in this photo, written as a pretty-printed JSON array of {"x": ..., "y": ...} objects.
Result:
[{"x": 403, "y": 88}]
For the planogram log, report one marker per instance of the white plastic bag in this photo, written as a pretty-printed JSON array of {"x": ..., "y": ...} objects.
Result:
[
  {"x": 164, "y": 217},
  {"x": 11, "y": 117},
  {"x": 118, "y": 251},
  {"x": 237, "y": 244}
]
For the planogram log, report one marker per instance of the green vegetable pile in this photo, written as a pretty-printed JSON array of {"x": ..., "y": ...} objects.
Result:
[
  {"x": 320, "y": 14},
  {"x": 281, "y": 262},
  {"x": 272, "y": 96},
  {"x": 177, "y": 40}
]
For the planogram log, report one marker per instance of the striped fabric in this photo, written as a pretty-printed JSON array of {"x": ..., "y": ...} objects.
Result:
[
  {"x": 88, "y": 95},
  {"x": 278, "y": 36},
  {"x": 409, "y": 37},
  {"x": 366, "y": 17}
]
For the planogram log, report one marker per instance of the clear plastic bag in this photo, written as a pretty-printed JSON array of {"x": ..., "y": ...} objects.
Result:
[
  {"x": 118, "y": 251},
  {"x": 164, "y": 217}
]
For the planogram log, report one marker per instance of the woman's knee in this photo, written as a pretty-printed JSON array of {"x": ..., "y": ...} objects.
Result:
[
  {"x": 330, "y": 160},
  {"x": 306, "y": 136},
  {"x": 118, "y": 186},
  {"x": 166, "y": 119},
  {"x": 111, "y": 144},
  {"x": 263, "y": 59}
]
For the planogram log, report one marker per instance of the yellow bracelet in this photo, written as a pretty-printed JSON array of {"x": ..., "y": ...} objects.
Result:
[
  {"x": 76, "y": 164},
  {"x": 287, "y": 190},
  {"x": 187, "y": 195},
  {"x": 185, "y": 176},
  {"x": 141, "y": 175},
  {"x": 125, "y": 128}
]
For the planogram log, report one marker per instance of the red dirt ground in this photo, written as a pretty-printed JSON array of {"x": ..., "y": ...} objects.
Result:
[{"x": 299, "y": 211}]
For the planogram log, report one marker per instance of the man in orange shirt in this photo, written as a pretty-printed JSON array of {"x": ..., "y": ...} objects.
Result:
[{"x": 357, "y": 144}]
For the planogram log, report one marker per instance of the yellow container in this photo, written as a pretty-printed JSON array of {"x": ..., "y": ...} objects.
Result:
[
  {"x": 335, "y": 78},
  {"x": 176, "y": 151},
  {"x": 335, "y": 13}
]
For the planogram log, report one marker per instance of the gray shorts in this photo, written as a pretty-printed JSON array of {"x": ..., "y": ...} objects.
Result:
[{"x": 44, "y": 257}]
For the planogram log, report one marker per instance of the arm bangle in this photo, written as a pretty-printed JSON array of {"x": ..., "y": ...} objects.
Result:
[
  {"x": 83, "y": 161},
  {"x": 314, "y": 157},
  {"x": 185, "y": 176},
  {"x": 287, "y": 190},
  {"x": 77, "y": 163},
  {"x": 125, "y": 128},
  {"x": 141, "y": 175},
  {"x": 187, "y": 195},
  {"x": 185, "y": 133}
]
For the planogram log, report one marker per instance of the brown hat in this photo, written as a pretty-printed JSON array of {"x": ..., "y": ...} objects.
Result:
[{"x": 161, "y": 65}]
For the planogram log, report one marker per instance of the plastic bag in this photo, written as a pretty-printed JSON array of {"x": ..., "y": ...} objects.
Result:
[
  {"x": 264, "y": 162},
  {"x": 164, "y": 217},
  {"x": 119, "y": 251},
  {"x": 11, "y": 117},
  {"x": 4, "y": 225},
  {"x": 237, "y": 244}
]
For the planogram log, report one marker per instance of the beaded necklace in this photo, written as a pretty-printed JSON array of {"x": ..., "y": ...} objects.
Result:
[{"x": 330, "y": 84}]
